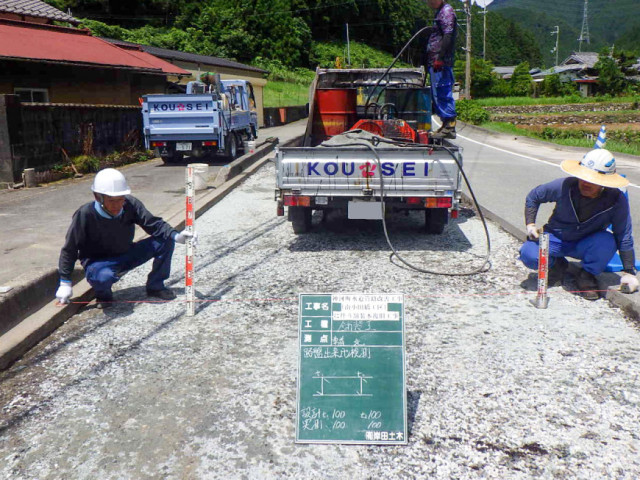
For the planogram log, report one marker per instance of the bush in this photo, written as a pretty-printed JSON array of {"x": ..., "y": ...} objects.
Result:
[
  {"x": 470, "y": 112},
  {"x": 86, "y": 163}
]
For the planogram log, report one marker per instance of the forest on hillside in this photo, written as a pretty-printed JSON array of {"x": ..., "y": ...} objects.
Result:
[
  {"x": 290, "y": 31},
  {"x": 610, "y": 23}
]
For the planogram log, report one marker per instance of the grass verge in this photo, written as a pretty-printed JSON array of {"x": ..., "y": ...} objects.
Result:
[
  {"x": 284, "y": 94},
  {"x": 518, "y": 101}
]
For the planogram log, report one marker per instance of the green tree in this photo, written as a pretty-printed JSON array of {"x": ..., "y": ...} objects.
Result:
[
  {"x": 521, "y": 83},
  {"x": 610, "y": 77},
  {"x": 552, "y": 86},
  {"x": 483, "y": 79}
]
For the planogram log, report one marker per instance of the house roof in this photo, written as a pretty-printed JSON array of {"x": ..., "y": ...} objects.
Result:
[
  {"x": 36, "y": 8},
  {"x": 166, "y": 67},
  {"x": 51, "y": 44},
  {"x": 191, "y": 57},
  {"x": 585, "y": 59}
]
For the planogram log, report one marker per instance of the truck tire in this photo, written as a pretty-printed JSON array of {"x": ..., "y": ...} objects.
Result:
[
  {"x": 300, "y": 218},
  {"x": 231, "y": 146},
  {"x": 172, "y": 157},
  {"x": 435, "y": 220}
]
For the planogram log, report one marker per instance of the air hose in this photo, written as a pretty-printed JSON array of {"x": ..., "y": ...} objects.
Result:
[{"x": 486, "y": 264}]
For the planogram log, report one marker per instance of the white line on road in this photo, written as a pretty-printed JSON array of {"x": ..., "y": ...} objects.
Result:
[{"x": 520, "y": 155}]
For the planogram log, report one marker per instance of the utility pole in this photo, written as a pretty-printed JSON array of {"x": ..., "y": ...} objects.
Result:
[
  {"x": 467, "y": 72},
  {"x": 484, "y": 35},
  {"x": 348, "y": 46},
  {"x": 584, "y": 33},
  {"x": 556, "y": 32}
]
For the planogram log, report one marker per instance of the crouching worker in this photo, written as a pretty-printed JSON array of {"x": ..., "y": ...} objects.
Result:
[
  {"x": 586, "y": 204},
  {"x": 101, "y": 237}
]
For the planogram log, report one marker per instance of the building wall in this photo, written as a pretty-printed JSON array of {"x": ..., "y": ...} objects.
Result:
[{"x": 75, "y": 84}]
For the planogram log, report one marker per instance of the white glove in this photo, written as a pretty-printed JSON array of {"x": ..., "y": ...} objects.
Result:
[
  {"x": 629, "y": 283},
  {"x": 64, "y": 292},
  {"x": 532, "y": 232},
  {"x": 183, "y": 235}
]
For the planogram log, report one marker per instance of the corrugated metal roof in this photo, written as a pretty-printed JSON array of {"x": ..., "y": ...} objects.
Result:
[
  {"x": 191, "y": 57},
  {"x": 36, "y": 8},
  {"x": 48, "y": 43}
]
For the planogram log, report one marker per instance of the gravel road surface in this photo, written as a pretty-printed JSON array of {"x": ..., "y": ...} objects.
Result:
[{"x": 496, "y": 388}]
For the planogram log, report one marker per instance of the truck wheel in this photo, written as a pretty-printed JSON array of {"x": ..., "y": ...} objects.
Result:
[
  {"x": 231, "y": 147},
  {"x": 300, "y": 218},
  {"x": 172, "y": 157},
  {"x": 435, "y": 220}
]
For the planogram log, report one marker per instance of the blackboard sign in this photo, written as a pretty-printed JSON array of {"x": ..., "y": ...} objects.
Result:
[{"x": 351, "y": 375}]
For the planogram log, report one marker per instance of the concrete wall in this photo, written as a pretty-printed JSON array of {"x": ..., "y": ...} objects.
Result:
[{"x": 75, "y": 84}]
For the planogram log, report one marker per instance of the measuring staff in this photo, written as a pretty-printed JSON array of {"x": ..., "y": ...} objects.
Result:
[
  {"x": 101, "y": 237},
  {"x": 587, "y": 203}
]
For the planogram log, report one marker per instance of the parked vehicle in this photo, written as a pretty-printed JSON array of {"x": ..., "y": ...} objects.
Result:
[
  {"x": 367, "y": 144},
  {"x": 213, "y": 117}
]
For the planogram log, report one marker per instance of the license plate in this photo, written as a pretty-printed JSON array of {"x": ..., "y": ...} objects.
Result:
[
  {"x": 364, "y": 211},
  {"x": 322, "y": 200},
  {"x": 183, "y": 146}
]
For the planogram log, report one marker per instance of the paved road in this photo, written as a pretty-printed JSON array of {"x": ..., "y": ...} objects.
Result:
[
  {"x": 496, "y": 389},
  {"x": 35, "y": 221},
  {"x": 503, "y": 169}
]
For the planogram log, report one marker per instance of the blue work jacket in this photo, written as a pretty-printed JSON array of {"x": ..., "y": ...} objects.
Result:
[{"x": 564, "y": 223}]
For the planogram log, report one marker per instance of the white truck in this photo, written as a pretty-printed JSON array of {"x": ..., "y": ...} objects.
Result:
[
  {"x": 213, "y": 117},
  {"x": 367, "y": 144}
]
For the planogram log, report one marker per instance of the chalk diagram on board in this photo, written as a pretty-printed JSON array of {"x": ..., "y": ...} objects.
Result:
[{"x": 342, "y": 385}]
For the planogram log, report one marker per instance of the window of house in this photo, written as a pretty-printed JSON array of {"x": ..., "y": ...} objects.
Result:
[{"x": 37, "y": 95}]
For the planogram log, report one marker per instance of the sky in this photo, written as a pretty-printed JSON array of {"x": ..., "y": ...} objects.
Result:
[{"x": 482, "y": 3}]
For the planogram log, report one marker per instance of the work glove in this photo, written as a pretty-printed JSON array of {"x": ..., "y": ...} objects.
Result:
[
  {"x": 629, "y": 283},
  {"x": 64, "y": 292},
  {"x": 532, "y": 232},
  {"x": 438, "y": 65},
  {"x": 183, "y": 235}
]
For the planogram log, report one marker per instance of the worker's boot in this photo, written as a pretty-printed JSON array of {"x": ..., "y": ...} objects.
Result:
[
  {"x": 447, "y": 130},
  {"x": 587, "y": 285},
  {"x": 556, "y": 273}
]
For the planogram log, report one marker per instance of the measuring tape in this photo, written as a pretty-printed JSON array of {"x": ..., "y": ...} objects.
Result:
[
  {"x": 189, "y": 227},
  {"x": 542, "y": 300}
]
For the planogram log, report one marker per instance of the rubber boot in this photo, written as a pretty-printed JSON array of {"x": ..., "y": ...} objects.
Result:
[{"x": 448, "y": 129}]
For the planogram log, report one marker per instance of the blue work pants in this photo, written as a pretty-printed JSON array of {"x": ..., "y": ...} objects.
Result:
[
  {"x": 595, "y": 251},
  {"x": 442, "y": 92},
  {"x": 103, "y": 273}
]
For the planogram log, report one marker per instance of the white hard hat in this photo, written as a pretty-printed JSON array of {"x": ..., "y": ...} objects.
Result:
[
  {"x": 598, "y": 166},
  {"x": 110, "y": 182}
]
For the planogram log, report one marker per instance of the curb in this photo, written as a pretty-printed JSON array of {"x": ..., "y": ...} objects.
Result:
[
  {"x": 36, "y": 326},
  {"x": 609, "y": 281}
]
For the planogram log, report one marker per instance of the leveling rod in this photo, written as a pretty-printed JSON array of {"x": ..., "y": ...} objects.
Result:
[
  {"x": 189, "y": 227},
  {"x": 542, "y": 300}
]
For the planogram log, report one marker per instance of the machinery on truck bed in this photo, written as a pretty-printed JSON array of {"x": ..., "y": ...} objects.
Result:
[
  {"x": 214, "y": 116},
  {"x": 368, "y": 145}
]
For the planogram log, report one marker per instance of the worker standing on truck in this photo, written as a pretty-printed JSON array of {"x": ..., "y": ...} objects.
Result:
[
  {"x": 587, "y": 203},
  {"x": 101, "y": 236},
  {"x": 440, "y": 58}
]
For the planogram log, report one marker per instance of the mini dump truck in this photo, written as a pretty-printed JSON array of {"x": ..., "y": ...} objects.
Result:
[
  {"x": 212, "y": 117},
  {"x": 369, "y": 141}
]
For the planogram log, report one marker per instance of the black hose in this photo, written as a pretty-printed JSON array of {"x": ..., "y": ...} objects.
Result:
[{"x": 486, "y": 264}]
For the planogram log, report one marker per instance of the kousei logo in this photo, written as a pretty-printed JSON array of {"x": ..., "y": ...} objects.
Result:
[
  {"x": 181, "y": 107},
  {"x": 366, "y": 170}
]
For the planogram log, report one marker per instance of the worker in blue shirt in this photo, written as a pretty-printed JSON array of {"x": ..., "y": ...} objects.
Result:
[
  {"x": 440, "y": 58},
  {"x": 101, "y": 237},
  {"x": 587, "y": 203}
]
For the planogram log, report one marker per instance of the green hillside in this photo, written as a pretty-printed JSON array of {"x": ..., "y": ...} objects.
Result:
[{"x": 610, "y": 22}]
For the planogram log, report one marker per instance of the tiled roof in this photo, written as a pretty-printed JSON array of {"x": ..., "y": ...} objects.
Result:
[
  {"x": 587, "y": 59},
  {"x": 52, "y": 44},
  {"x": 35, "y": 8},
  {"x": 191, "y": 57}
]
